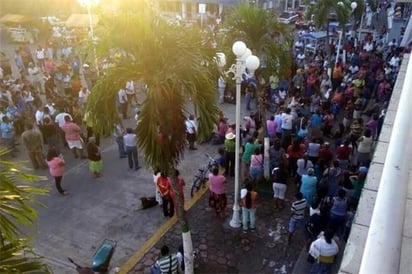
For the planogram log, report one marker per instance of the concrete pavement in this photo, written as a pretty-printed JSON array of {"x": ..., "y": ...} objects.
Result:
[{"x": 222, "y": 249}]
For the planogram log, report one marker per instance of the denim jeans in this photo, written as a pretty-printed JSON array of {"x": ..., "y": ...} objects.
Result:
[
  {"x": 132, "y": 157},
  {"x": 120, "y": 145},
  {"x": 321, "y": 268},
  {"x": 248, "y": 214}
]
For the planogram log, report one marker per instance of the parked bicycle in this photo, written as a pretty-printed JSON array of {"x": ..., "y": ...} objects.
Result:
[{"x": 201, "y": 176}]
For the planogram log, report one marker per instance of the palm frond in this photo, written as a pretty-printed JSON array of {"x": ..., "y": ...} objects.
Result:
[
  {"x": 18, "y": 257},
  {"x": 175, "y": 63}
]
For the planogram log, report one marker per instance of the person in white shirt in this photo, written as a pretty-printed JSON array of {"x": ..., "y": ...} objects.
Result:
[
  {"x": 35, "y": 77},
  {"x": 51, "y": 108},
  {"x": 221, "y": 85},
  {"x": 393, "y": 43},
  {"x": 323, "y": 250},
  {"x": 40, "y": 55},
  {"x": 368, "y": 46},
  {"x": 191, "y": 131},
  {"x": 298, "y": 45},
  {"x": 83, "y": 95},
  {"x": 353, "y": 68},
  {"x": 287, "y": 124},
  {"x": 394, "y": 61},
  {"x": 122, "y": 97},
  {"x": 130, "y": 146},
  {"x": 131, "y": 92},
  {"x": 59, "y": 120},
  {"x": 302, "y": 166}
]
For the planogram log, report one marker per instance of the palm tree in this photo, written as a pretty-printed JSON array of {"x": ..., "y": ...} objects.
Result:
[
  {"x": 177, "y": 66},
  {"x": 16, "y": 200},
  {"x": 323, "y": 9},
  {"x": 267, "y": 38}
]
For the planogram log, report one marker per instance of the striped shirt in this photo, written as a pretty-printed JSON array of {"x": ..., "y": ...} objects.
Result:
[
  {"x": 168, "y": 264},
  {"x": 298, "y": 209}
]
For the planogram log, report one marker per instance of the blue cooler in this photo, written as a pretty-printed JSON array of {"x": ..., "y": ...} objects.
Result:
[{"x": 103, "y": 255}]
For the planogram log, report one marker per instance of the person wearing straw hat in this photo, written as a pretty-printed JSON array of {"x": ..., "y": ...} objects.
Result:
[{"x": 230, "y": 149}]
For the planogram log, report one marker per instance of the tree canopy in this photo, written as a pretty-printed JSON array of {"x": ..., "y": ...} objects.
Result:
[
  {"x": 175, "y": 62},
  {"x": 263, "y": 34}
]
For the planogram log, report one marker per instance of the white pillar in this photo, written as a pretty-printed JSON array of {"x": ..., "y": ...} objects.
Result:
[
  {"x": 235, "y": 221},
  {"x": 220, "y": 9},
  {"x": 184, "y": 13}
]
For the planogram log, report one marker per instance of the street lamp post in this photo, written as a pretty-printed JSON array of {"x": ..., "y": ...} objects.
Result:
[{"x": 244, "y": 60}]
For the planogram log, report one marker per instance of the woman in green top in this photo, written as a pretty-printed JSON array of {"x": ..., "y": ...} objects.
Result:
[
  {"x": 248, "y": 151},
  {"x": 358, "y": 181}
]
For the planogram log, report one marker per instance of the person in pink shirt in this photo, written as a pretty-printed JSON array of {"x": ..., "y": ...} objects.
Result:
[
  {"x": 271, "y": 127},
  {"x": 217, "y": 197},
  {"x": 73, "y": 138},
  {"x": 56, "y": 167}
]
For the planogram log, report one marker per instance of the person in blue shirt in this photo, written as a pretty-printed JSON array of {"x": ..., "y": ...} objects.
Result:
[
  {"x": 315, "y": 124},
  {"x": 7, "y": 134}
]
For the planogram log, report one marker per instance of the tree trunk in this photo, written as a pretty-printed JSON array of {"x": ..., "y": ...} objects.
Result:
[
  {"x": 181, "y": 216},
  {"x": 188, "y": 251}
]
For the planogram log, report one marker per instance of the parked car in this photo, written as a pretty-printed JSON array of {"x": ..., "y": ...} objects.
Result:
[{"x": 288, "y": 17}]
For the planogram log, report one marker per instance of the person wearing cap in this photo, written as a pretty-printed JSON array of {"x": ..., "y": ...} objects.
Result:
[
  {"x": 230, "y": 148},
  {"x": 308, "y": 185}
]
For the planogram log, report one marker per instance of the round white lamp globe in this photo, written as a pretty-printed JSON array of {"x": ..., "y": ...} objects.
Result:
[{"x": 239, "y": 48}]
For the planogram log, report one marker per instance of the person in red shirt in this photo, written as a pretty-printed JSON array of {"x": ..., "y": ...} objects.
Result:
[
  {"x": 325, "y": 155},
  {"x": 343, "y": 153},
  {"x": 295, "y": 151},
  {"x": 165, "y": 189}
]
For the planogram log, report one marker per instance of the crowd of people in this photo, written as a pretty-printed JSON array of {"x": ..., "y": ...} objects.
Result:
[
  {"x": 43, "y": 106},
  {"x": 322, "y": 138}
]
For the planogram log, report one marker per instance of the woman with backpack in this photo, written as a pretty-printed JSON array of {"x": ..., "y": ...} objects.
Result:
[{"x": 248, "y": 202}]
